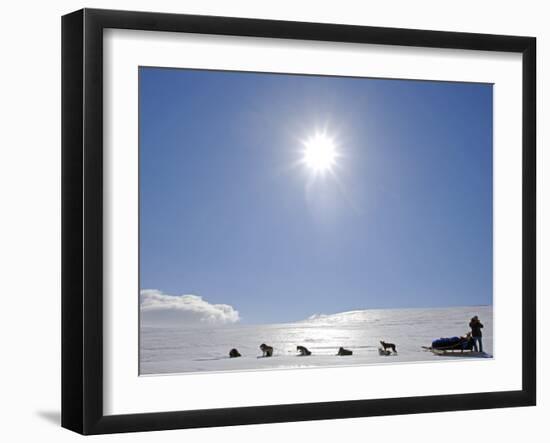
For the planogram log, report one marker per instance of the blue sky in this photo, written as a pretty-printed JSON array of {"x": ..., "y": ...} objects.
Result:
[{"x": 227, "y": 212}]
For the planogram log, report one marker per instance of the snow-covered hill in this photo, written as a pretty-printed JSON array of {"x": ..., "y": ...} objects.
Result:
[{"x": 195, "y": 349}]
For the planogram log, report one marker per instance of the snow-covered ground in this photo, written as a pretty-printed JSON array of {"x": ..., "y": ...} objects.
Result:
[{"x": 206, "y": 348}]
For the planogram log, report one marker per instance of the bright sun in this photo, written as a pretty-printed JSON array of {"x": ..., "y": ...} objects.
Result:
[{"x": 319, "y": 153}]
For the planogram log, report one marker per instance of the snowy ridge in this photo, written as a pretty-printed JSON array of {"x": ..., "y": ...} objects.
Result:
[{"x": 187, "y": 349}]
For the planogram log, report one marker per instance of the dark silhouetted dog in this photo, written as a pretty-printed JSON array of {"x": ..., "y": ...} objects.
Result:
[
  {"x": 303, "y": 350},
  {"x": 234, "y": 353},
  {"x": 343, "y": 351},
  {"x": 387, "y": 346},
  {"x": 266, "y": 350}
]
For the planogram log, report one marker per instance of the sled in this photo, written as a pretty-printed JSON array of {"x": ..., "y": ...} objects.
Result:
[
  {"x": 456, "y": 346},
  {"x": 455, "y": 352}
]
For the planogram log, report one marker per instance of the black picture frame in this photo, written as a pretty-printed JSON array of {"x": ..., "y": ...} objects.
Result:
[{"x": 82, "y": 218}]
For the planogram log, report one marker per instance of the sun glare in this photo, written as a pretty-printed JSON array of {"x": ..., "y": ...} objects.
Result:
[{"x": 319, "y": 153}]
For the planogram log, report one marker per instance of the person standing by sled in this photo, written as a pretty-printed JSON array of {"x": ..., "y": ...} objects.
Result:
[{"x": 476, "y": 326}]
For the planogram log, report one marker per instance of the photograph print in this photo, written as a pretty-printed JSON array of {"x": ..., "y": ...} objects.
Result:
[{"x": 301, "y": 221}]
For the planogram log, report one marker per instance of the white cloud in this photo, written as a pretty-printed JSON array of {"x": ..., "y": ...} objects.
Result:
[{"x": 162, "y": 309}]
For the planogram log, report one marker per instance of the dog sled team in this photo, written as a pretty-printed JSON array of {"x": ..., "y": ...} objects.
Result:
[
  {"x": 267, "y": 351},
  {"x": 470, "y": 342}
]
